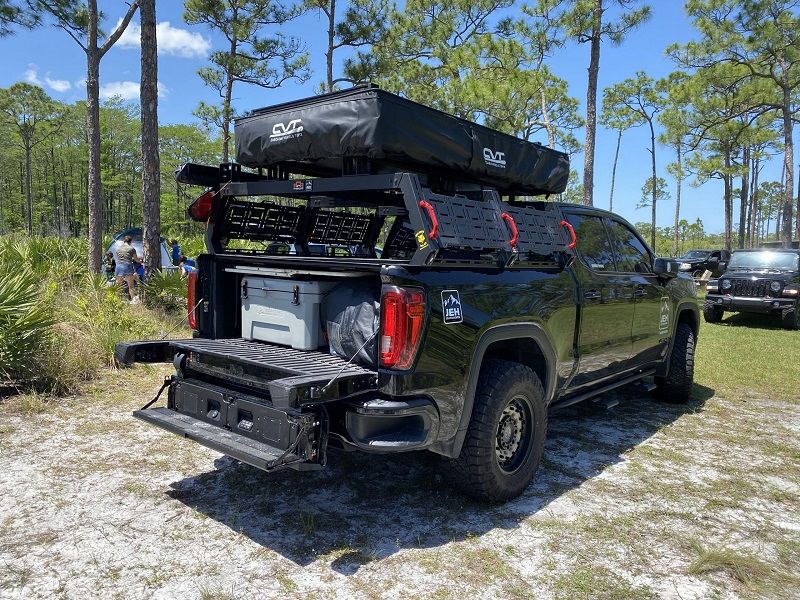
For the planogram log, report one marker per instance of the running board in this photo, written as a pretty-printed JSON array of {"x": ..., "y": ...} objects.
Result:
[
  {"x": 246, "y": 450},
  {"x": 601, "y": 390}
]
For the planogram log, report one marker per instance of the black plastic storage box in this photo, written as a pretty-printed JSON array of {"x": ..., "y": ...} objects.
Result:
[{"x": 331, "y": 133}]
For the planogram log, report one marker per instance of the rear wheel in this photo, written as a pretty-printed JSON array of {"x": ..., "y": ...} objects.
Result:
[
  {"x": 713, "y": 314},
  {"x": 505, "y": 439},
  {"x": 791, "y": 318},
  {"x": 676, "y": 387}
]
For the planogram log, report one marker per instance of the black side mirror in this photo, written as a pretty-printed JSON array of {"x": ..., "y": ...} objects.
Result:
[{"x": 666, "y": 267}]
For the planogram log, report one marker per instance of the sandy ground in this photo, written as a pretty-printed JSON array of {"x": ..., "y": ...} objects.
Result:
[{"x": 627, "y": 503}]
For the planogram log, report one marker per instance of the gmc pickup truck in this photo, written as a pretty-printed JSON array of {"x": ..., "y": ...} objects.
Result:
[{"x": 446, "y": 313}]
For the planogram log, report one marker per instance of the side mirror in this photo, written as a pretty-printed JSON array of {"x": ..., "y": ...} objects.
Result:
[{"x": 666, "y": 267}]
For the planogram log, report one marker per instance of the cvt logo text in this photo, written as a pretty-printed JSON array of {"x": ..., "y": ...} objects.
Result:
[
  {"x": 286, "y": 131},
  {"x": 494, "y": 159}
]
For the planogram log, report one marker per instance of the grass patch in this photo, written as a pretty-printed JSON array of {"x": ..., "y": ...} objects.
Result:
[
  {"x": 594, "y": 581},
  {"x": 744, "y": 568},
  {"x": 749, "y": 352}
]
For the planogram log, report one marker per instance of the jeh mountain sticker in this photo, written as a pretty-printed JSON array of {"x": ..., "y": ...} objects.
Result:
[
  {"x": 451, "y": 307},
  {"x": 663, "y": 325}
]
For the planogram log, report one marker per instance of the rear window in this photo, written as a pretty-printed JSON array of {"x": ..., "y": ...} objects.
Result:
[{"x": 593, "y": 245}]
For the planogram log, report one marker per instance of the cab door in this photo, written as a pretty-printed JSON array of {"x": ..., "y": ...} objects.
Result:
[
  {"x": 652, "y": 312},
  {"x": 605, "y": 298}
]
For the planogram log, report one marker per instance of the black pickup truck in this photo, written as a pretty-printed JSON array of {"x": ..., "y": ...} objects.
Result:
[
  {"x": 762, "y": 281},
  {"x": 447, "y": 313}
]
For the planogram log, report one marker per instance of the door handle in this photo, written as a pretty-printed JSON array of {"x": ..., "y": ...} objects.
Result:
[
  {"x": 591, "y": 295},
  {"x": 639, "y": 292}
]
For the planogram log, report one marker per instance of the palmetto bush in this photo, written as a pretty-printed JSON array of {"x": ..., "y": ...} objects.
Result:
[
  {"x": 59, "y": 324},
  {"x": 166, "y": 290},
  {"x": 25, "y": 322}
]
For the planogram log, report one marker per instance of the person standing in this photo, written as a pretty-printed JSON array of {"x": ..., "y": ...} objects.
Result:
[
  {"x": 126, "y": 256},
  {"x": 176, "y": 252}
]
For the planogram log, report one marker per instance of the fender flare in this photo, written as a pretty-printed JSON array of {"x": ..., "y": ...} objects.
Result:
[
  {"x": 684, "y": 306},
  {"x": 499, "y": 333}
]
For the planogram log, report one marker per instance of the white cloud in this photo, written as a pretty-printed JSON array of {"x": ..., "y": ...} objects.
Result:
[
  {"x": 31, "y": 75},
  {"x": 58, "y": 85},
  {"x": 127, "y": 90},
  {"x": 171, "y": 40}
]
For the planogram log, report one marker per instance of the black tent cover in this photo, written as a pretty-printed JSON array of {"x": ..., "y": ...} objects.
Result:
[{"x": 314, "y": 136}]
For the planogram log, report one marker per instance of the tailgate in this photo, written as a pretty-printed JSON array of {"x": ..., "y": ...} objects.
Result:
[
  {"x": 243, "y": 427},
  {"x": 291, "y": 377}
]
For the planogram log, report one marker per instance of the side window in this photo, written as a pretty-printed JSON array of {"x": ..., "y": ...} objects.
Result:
[
  {"x": 714, "y": 256},
  {"x": 594, "y": 246},
  {"x": 631, "y": 254}
]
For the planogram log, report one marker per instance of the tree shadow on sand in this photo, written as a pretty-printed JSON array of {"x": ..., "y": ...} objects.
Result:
[{"x": 367, "y": 507}]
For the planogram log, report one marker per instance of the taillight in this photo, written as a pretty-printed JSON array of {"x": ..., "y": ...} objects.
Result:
[
  {"x": 191, "y": 299},
  {"x": 200, "y": 209},
  {"x": 402, "y": 317}
]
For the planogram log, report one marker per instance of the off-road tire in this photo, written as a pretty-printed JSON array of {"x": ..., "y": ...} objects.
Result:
[
  {"x": 713, "y": 314},
  {"x": 676, "y": 387},
  {"x": 791, "y": 318},
  {"x": 504, "y": 387}
]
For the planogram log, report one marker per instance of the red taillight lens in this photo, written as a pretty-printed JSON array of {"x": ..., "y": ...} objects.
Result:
[
  {"x": 402, "y": 317},
  {"x": 200, "y": 209},
  {"x": 191, "y": 299}
]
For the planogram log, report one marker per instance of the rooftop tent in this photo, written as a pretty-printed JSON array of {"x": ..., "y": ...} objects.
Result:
[{"x": 365, "y": 129}]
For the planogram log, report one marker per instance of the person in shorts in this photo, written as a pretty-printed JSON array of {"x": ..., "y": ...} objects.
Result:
[{"x": 125, "y": 271}]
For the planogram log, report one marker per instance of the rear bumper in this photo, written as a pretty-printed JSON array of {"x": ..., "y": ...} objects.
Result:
[
  {"x": 253, "y": 431},
  {"x": 380, "y": 425},
  {"x": 745, "y": 304}
]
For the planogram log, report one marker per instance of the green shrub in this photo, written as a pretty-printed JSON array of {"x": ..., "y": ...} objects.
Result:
[
  {"x": 59, "y": 324},
  {"x": 166, "y": 290},
  {"x": 25, "y": 321}
]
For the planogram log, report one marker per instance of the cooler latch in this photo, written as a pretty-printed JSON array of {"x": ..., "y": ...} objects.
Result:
[
  {"x": 244, "y": 288},
  {"x": 296, "y": 295}
]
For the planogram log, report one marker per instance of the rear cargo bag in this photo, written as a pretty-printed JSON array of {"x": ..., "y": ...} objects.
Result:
[
  {"x": 351, "y": 313},
  {"x": 317, "y": 136}
]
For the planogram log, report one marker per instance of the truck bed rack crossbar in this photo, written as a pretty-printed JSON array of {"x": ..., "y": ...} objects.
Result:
[{"x": 294, "y": 376}]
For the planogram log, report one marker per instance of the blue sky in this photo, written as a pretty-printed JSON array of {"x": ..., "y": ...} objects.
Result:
[{"x": 50, "y": 58}]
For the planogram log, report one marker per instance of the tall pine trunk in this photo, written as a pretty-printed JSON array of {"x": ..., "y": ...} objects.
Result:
[
  {"x": 753, "y": 224},
  {"x": 591, "y": 104},
  {"x": 678, "y": 181},
  {"x": 788, "y": 162},
  {"x": 727, "y": 180},
  {"x": 93, "y": 185},
  {"x": 331, "y": 14},
  {"x": 743, "y": 194},
  {"x": 28, "y": 191},
  {"x": 655, "y": 185},
  {"x": 614, "y": 171},
  {"x": 151, "y": 188}
]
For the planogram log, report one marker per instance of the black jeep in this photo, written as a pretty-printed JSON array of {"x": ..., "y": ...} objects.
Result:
[
  {"x": 757, "y": 281},
  {"x": 483, "y": 309},
  {"x": 698, "y": 262}
]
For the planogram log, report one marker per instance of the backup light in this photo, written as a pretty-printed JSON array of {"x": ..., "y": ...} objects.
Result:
[{"x": 402, "y": 316}]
